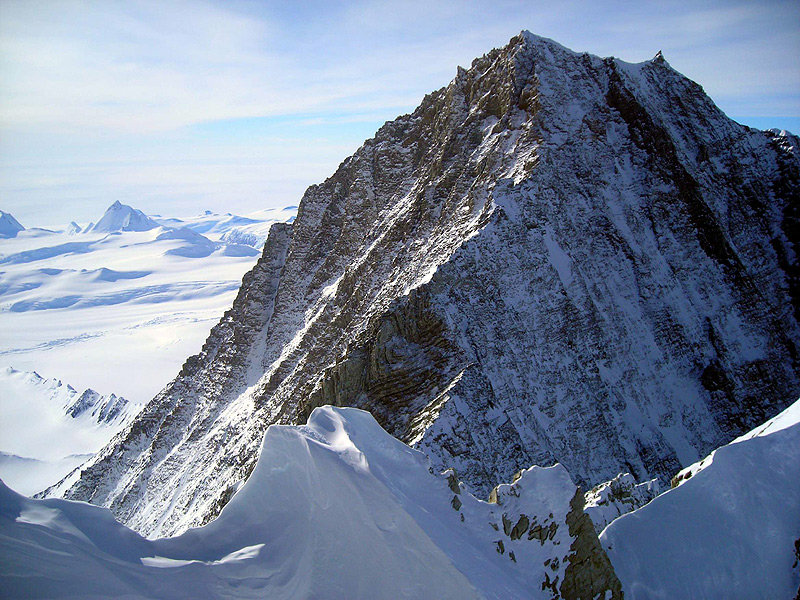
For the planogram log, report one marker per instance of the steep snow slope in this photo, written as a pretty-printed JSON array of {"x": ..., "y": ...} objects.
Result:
[
  {"x": 729, "y": 531},
  {"x": 557, "y": 257},
  {"x": 48, "y": 428},
  {"x": 334, "y": 509},
  {"x": 132, "y": 305}
]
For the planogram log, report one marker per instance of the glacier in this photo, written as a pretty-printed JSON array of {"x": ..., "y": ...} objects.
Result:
[{"x": 132, "y": 304}]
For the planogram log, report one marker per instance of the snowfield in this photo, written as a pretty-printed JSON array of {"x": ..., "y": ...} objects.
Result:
[
  {"x": 728, "y": 531},
  {"x": 338, "y": 508},
  {"x": 118, "y": 306},
  {"x": 334, "y": 509}
]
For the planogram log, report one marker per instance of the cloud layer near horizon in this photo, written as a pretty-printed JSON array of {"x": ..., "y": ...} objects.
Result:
[{"x": 244, "y": 104}]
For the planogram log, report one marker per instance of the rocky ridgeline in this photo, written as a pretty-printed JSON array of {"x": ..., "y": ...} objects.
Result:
[
  {"x": 611, "y": 499},
  {"x": 556, "y": 257}
]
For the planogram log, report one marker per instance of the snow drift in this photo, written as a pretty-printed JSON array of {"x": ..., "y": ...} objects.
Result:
[
  {"x": 729, "y": 530},
  {"x": 336, "y": 508}
]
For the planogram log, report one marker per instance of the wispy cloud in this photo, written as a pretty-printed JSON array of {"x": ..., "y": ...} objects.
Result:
[{"x": 85, "y": 82}]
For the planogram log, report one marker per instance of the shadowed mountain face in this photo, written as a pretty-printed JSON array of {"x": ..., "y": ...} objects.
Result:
[{"x": 556, "y": 257}]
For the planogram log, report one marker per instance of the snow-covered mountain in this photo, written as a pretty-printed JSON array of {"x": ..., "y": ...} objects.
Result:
[
  {"x": 556, "y": 257},
  {"x": 48, "y": 428},
  {"x": 336, "y": 508},
  {"x": 132, "y": 304},
  {"x": 121, "y": 217},
  {"x": 9, "y": 226},
  {"x": 731, "y": 529}
]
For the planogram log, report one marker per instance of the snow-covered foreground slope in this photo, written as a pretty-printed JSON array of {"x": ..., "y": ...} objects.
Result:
[
  {"x": 48, "y": 428},
  {"x": 119, "y": 311},
  {"x": 728, "y": 531},
  {"x": 334, "y": 509}
]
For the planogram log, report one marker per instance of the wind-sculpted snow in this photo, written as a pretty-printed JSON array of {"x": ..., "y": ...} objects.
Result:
[
  {"x": 336, "y": 508},
  {"x": 728, "y": 531},
  {"x": 555, "y": 258}
]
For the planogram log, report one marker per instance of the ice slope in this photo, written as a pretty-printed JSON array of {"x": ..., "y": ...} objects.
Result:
[
  {"x": 9, "y": 226},
  {"x": 334, "y": 509},
  {"x": 728, "y": 531},
  {"x": 131, "y": 304},
  {"x": 47, "y": 428}
]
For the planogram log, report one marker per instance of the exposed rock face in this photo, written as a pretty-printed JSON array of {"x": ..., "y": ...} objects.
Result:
[
  {"x": 612, "y": 499},
  {"x": 556, "y": 257},
  {"x": 104, "y": 409},
  {"x": 589, "y": 573},
  {"x": 539, "y": 512}
]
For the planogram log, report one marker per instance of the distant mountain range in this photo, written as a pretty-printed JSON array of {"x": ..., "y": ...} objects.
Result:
[
  {"x": 132, "y": 290},
  {"x": 48, "y": 428}
]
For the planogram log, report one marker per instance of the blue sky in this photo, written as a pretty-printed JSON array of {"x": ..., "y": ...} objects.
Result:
[{"x": 178, "y": 107}]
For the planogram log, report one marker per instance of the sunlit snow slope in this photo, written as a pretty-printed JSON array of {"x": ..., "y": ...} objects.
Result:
[
  {"x": 728, "y": 531},
  {"x": 334, "y": 509},
  {"x": 120, "y": 307}
]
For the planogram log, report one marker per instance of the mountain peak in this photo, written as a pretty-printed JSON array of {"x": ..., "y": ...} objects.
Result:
[
  {"x": 9, "y": 226},
  {"x": 121, "y": 217},
  {"x": 659, "y": 59},
  {"x": 487, "y": 273}
]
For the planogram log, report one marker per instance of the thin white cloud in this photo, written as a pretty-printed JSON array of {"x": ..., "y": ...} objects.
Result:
[{"x": 87, "y": 83}]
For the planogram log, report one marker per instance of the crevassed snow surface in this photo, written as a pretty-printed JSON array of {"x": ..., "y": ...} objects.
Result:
[
  {"x": 119, "y": 311},
  {"x": 334, "y": 509},
  {"x": 47, "y": 428},
  {"x": 726, "y": 532}
]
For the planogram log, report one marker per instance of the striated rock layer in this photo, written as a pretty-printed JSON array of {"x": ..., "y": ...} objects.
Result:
[{"x": 557, "y": 257}]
